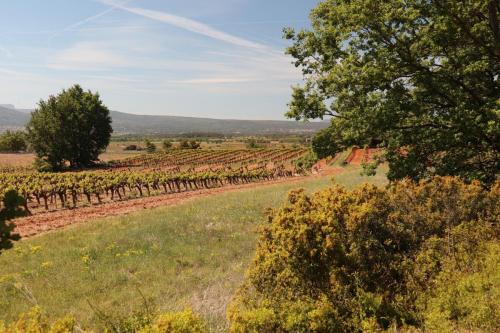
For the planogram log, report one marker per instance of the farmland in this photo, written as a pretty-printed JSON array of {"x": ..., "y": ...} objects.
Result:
[
  {"x": 150, "y": 174},
  {"x": 117, "y": 147},
  {"x": 171, "y": 255}
]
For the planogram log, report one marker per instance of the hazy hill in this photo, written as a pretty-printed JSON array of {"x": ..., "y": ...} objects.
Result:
[
  {"x": 126, "y": 123},
  {"x": 10, "y": 118}
]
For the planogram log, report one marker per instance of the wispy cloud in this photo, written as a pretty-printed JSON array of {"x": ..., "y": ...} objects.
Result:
[
  {"x": 6, "y": 52},
  {"x": 217, "y": 80},
  {"x": 88, "y": 19},
  {"x": 186, "y": 24},
  {"x": 87, "y": 56}
]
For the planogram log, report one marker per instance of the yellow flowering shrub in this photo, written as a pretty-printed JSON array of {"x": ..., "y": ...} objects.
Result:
[
  {"x": 177, "y": 322},
  {"x": 466, "y": 299},
  {"x": 35, "y": 322},
  {"x": 170, "y": 322},
  {"x": 351, "y": 261}
]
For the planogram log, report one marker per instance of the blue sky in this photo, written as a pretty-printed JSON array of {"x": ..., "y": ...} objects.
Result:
[{"x": 212, "y": 58}]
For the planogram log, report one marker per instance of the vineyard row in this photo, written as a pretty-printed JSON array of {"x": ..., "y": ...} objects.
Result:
[
  {"x": 203, "y": 157},
  {"x": 69, "y": 190}
]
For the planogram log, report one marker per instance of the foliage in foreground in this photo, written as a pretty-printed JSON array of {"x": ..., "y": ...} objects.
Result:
[
  {"x": 419, "y": 78},
  {"x": 421, "y": 256},
  {"x": 107, "y": 263},
  {"x": 34, "y": 321},
  {"x": 177, "y": 322},
  {"x": 11, "y": 202},
  {"x": 417, "y": 256},
  {"x": 73, "y": 127},
  {"x": 170, "y": 322}
]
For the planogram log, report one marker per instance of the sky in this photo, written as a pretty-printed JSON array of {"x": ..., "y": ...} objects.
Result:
[{"x": 201, "y": 58}]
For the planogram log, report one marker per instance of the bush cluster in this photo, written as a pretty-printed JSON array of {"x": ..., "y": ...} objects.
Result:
[
  {"x": 13, "y": 141},
  {"x": 171, "y": 322},
  {"x": 415, "y": 256},
  {"x": 177, "y": 322},
  {"x": 34, "y": 321},
  {"x": 150, "y": 147},
  {"x": 185, "y": 144},
  {"x": 307, "y": 161}
]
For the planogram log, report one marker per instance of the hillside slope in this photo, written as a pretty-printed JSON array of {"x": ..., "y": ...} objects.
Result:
[
  {"x": 126, "y": 123},
  {"x": 11, "y": 118}
]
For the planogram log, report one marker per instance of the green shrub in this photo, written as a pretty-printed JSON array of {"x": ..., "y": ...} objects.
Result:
[
  {"x": 177, "y": 322},
  {"x": 307, "y": 161},
  {"x": 150, "y": 147},
  {"x": 167, "y": 145},
  {"x": 184, "y": 144},
  {"x": 132, "y": 147},
  {"x": 42, "y": 165},
  {"x": 367, "y": 259},
  {"x": 253, "y": 144},
  {"x": 466, "y": 299},
  {"x": 194, "y": 144},
  {"x": 13, "y": 141}
]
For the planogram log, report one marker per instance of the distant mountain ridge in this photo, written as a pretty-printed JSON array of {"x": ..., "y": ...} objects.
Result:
[
  {"x": 127, "y": 123},
  {"x": 10, "y": 118}
]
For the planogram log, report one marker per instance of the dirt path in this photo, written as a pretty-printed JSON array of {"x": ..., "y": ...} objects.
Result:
[{"x": 44, "y": 222}]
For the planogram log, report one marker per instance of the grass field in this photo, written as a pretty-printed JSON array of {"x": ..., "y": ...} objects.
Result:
[{"x": 191, "y": 255}]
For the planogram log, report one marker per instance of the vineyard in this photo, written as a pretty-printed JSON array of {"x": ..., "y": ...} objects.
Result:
[
  {"x": 211, "y": 159},
  {"x": 150, "y": 174}
]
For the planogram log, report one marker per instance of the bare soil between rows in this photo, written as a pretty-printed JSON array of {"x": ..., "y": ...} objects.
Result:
[{"x": 44, "y": 222}]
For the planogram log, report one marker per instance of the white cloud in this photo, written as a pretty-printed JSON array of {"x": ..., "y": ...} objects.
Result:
[
  {"x": 187, "y": 24},
  {"x": 87, "y": 56},
  {"x": 6, "y": 52},
  {"x": 216, "y": 80}
]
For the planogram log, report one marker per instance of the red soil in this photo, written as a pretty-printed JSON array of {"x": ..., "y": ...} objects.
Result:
[
  {"x": 322, "y": 168},
  {"x": 358, "y": 155},
  {"x": 47, "y": 221}
]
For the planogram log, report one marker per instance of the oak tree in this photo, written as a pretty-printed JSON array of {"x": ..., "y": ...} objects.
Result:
[
  {"x": 73, "y": 127},
  {"x": 420, "y": 78}
]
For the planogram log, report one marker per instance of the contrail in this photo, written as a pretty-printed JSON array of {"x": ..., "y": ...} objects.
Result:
[
  {"x": 88, "y": 19},
  {"x": 186, "y": 24}
]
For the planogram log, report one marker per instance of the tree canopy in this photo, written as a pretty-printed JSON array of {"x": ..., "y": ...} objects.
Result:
[
  {"x": 420, "y": 78},
  {"x": 73, "y": 127},
  {"x": 13, "y": 141}
]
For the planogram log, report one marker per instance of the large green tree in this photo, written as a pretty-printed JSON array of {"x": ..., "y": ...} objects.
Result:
[
  {"x": 73, "y": 127},
  {"x": 418, "y": 77}
]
